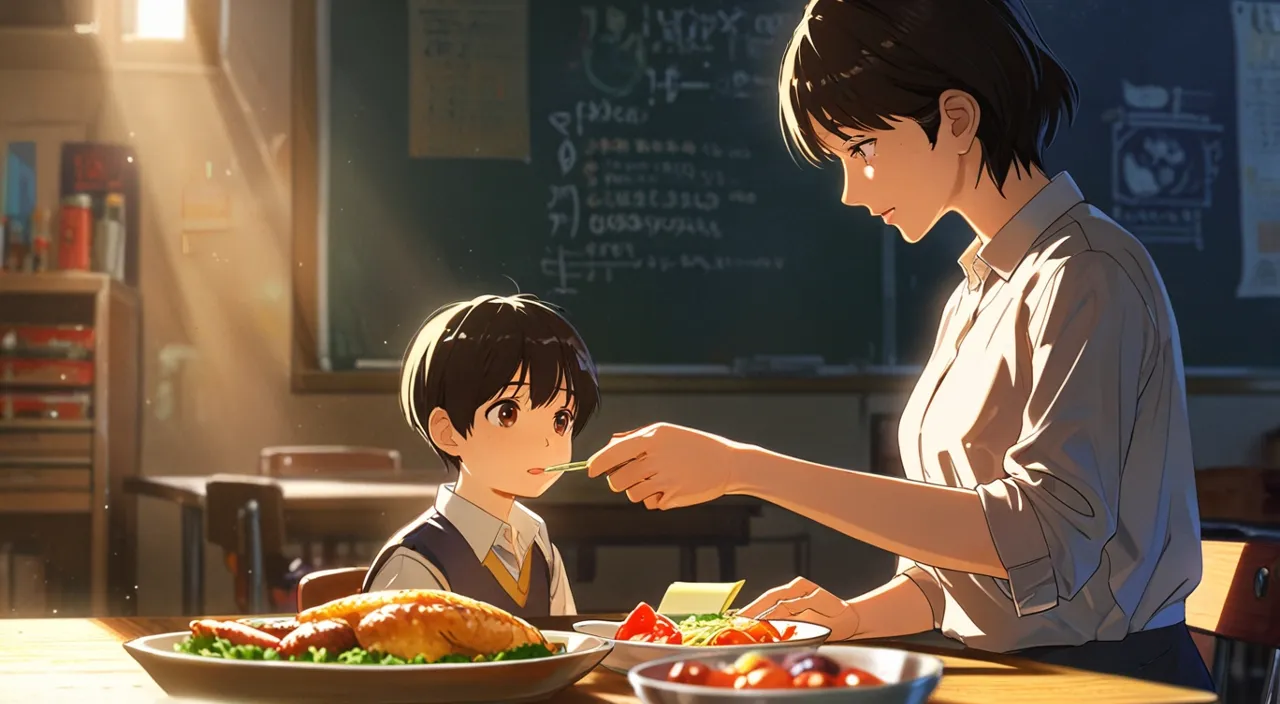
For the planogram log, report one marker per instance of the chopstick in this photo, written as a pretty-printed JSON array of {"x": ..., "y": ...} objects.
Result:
[
  {"x": 577, "y": 466},
  {"x": 568, "y": 467}
]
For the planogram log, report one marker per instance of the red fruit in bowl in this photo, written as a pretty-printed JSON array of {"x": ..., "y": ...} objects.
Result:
[{"x": 813, "y": 680}]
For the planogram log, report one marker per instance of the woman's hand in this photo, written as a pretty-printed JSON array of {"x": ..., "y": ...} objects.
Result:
[
  {"x": 668, "y": 466},
  {"x": 802, "y": 600}
]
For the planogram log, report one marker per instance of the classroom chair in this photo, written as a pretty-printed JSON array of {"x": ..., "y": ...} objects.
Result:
[
  {"x": 328, "y": 461},
  {"x": 244, "y": 515},
  {"x": 323, "y": 586},
  {"x": 1237, "y": 601}
]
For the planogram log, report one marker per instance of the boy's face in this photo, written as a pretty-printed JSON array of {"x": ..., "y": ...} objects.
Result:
[{"x": 509, "y": 437}]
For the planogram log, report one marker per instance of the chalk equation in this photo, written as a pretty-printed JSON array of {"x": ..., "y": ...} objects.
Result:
[
  {"x": 666, "y": 51},
  {"x": 598, "y": 262},
  {"x": 1165, "y": 160}
]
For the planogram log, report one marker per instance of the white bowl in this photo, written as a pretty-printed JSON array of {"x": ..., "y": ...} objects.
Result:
[
  {"x": 214, "y": 679},
  {"x": 909, "y": 678},
  {"x": 627, "y": 654}
]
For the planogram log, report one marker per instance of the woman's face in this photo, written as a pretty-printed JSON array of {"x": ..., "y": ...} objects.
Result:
[{"x": 896, "y": 174}]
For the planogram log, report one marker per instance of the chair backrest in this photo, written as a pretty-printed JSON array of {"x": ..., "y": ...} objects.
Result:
[
  {"x": 227, "y": 494},
  {"x": 324, "y": 586},
  {"x": 1239, "y": 593},
  {"x": 312, "y": 460}
]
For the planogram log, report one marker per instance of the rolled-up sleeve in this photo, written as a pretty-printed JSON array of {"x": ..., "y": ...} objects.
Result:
[
  {"x": 1053, "y": 513},
  {"x": 928, "y": 585}
]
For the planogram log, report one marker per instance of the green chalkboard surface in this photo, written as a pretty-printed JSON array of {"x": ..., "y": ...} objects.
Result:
[{"x": 660, "y": 207}]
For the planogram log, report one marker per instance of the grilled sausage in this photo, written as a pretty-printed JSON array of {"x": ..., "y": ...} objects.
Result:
[
  {"x": 235, "y": 632},
  {"x": 333, "y": 636},
  {"x": 276, "y": 627}
]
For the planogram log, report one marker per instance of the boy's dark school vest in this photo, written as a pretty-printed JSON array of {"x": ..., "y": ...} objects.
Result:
[{"x": 442, "y": 544}]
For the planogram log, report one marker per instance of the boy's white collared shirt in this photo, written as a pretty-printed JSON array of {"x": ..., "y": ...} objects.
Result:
[{"x": 510, "y": 541}]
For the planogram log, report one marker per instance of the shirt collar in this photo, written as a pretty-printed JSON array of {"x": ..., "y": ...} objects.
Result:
[
  {"x": 1011, "y": 243},
  {"x": 482, "y": 530}
]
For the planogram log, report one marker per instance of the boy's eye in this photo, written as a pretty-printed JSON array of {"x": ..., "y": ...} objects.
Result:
[
  {"x": 563, "y": 421},
  {"x": 503, "y": 414}
]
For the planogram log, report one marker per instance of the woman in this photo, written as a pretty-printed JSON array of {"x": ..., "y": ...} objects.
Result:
[{"x": 1049, "y": 508}]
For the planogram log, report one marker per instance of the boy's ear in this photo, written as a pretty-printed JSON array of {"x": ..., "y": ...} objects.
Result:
[{"x": 442, "y": 431}]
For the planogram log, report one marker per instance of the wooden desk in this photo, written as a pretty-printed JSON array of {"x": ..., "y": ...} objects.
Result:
[
  {"x": 375, "y": 505},
  {"x": 82, "y": 660}
]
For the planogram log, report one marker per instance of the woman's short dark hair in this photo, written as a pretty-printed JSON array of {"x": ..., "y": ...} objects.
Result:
[
  {"x": 468, "y": 352},
  {"x": 858, "y": 63}
]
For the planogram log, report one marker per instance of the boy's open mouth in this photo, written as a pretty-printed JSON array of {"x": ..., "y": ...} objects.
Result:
[{"x": 536, "y": 470}]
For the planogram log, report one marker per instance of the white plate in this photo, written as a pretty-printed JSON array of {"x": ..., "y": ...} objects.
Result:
[
  {"x": 206, "y": 678},
  {"x": 909, "y": 678},
  {"x": 628, "y": 654}
]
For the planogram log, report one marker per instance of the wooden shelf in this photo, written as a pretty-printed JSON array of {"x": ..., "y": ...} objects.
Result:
[
  {"x": 36, "y": 425},
  {"x": 46, "y": 502},
  {"x": 62, "y": 475}
]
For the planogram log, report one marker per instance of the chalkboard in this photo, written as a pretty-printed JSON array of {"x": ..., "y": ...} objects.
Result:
[{"x": 660, "y": 207}]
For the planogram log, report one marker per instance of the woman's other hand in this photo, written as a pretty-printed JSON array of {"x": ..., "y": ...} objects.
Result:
[
  {"x": 802, "y": 600},
  {"x": 668, "y": 466}
]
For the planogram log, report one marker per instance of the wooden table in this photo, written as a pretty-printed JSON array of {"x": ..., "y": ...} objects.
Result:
[
  {"x": 375, "y": 505},
  {"x": 80, "y": 660}
]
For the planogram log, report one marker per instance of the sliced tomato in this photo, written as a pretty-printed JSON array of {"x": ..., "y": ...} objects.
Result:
[
  {"x": 732, "y": 636},
  {"x": 763, "y": 632},
  {"x": 670, "y": 639},
  {"x": 664, "y": 626},
  {"x": 787, "y": 633},
  {"x": 640, "y": 621}
]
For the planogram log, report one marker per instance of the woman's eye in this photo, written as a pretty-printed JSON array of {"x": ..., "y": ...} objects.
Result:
[
  {"x": 503, "y": 414},
  {"x": 563, "y": 421},
  {"x": 865, "y": 150}
]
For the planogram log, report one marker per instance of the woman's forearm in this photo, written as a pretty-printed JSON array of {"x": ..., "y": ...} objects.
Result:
[
  {"x": 899, "y": 608},
  {"x": 933, "y": 525}
]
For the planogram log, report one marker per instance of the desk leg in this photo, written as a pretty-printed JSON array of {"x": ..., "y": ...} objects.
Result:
[
  {"x": 688, "y": 563},
  {"x": 728, "y": 562},
  {"x": 192, "y": 561}
]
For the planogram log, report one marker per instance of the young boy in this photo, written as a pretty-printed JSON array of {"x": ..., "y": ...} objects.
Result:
[{"x": 498, "y": 386}]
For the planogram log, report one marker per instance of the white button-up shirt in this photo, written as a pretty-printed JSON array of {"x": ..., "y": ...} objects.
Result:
[
  {"x": 510, "y": 541},
  {"x": 1056, "y": 391}
]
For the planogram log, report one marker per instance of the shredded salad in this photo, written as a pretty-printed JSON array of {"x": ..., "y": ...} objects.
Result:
[
  {"x": 211, "y": 647},
  {"x": 645, "y": 625}
]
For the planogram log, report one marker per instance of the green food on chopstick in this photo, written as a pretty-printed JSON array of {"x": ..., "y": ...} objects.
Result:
[{"x": 208, "y": 646}]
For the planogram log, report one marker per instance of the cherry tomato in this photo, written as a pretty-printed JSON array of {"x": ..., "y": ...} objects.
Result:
[
  {"x": 641, "y": 638},
  {"x": 640, "y": 621},
  {"x": 812, "y": 679},
  {"x": 768, "y": 677},
  {"x": 732, "y": 636},
  {"x": 853, "y": 677},
  {"x": 689, "y": 673},
  {"x": 721, "y": 678},
  {"x": 750, "y": 661},
  {"x": 670, "y": 639},
  {"x": 787, "y": 633}
]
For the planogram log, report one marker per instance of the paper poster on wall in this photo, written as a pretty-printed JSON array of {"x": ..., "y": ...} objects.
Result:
[
  {"x": 1257, "y": 30},
  {"x": 469, "y": 79}
]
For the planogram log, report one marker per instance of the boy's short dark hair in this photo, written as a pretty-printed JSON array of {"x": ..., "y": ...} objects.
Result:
[
  {"x": 857, "y": 63},
  {"x": 467, "y": 352}
]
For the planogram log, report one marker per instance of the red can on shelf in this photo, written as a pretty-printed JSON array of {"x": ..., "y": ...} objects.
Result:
[{"x": 75, "y": 223}]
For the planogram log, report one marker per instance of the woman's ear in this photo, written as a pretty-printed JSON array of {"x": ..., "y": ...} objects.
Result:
[
  {"x": 960, "y": 117},
  {"x": 442, "y": 432}
]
